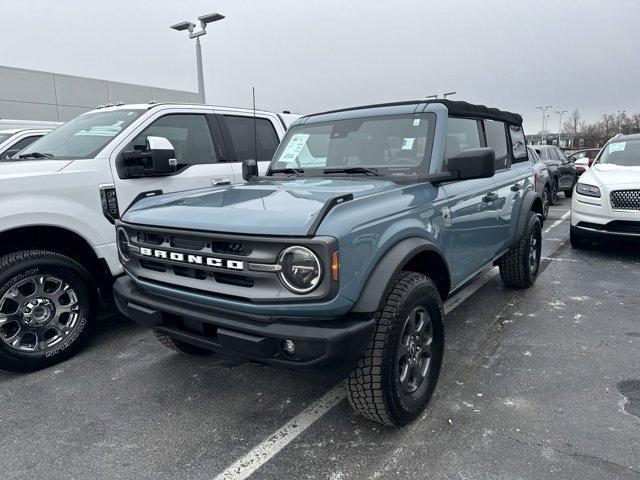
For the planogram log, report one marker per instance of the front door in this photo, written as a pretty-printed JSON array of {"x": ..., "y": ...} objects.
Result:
[
  {"x": 472, "y": 205},
  {"x": 198, "y": 151}
]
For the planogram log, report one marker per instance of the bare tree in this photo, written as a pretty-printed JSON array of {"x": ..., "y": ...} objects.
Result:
[{"x": 572, "y": 125}]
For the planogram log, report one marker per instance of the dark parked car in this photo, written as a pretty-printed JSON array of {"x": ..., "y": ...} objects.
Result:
[{"x": 561, "y": 170}]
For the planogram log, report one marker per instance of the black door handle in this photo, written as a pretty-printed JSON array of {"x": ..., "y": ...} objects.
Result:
[
  {"x": 516, "y": 187},
  {"x": 490, "y": 197}
]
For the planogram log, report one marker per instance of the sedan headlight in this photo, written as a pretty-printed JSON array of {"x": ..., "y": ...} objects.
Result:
[
  {"x": 588, "y": 190},
  {"x": 300, "y": 269}
]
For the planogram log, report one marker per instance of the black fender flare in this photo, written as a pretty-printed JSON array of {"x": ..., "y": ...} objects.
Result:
[
  {"x": 378, "y": 284},
  {"x": 527, "y": 206}
]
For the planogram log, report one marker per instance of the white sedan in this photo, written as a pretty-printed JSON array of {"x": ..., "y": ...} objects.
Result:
[{"x": 606, "y": 203}]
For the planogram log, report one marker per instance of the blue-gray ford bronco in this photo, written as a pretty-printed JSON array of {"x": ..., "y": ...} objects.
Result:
[{"x": 339, "y": 258}]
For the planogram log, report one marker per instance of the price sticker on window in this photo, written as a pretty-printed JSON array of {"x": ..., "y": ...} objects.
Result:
[{"x": 294, "y": 147}]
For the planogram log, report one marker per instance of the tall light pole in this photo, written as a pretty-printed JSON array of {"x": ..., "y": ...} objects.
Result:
[
  {"x": 190, "y": 27},
  {"x": 544, "y": 116},
  {"x": 560, "y": 113}
]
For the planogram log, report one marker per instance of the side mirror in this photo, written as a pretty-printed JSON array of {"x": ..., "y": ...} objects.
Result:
[
  {"x": 472, "y": 163},
  {"x": 250, "y": 170},
  {"x": 158, "y": 158}
]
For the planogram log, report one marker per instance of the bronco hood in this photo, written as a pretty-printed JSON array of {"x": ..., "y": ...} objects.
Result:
[
  {"x": 609, "y": 174},
  {"x": 28, "y": 168},
  {"x": 275, "y": 207}
]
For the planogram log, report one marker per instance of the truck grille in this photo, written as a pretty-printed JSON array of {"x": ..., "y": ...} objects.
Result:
[
  {"x": 625, "y": 200},
  {"x": 219, "y": 263}
]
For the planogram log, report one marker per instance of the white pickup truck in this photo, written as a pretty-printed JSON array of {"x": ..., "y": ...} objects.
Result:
[{"x": 59, "y": 200}]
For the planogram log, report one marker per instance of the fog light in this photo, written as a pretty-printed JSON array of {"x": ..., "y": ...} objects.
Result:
[{"x": 288, "y": 347}]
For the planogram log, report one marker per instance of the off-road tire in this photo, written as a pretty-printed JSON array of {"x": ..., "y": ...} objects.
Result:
[
  {"x": 553, "y": 193},
  {"x": 373, "y": 387},
  {"x": 515, "y": 267},
  {"x": 18, "y": 266},
  {"x": 546, "y": 198},
  {"x": 181, "y": 347}
]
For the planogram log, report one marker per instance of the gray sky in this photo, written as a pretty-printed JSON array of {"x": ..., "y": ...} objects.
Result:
[{"x": 309, "y": 56}]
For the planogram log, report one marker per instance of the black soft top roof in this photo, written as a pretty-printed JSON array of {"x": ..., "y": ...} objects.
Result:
[{"x": 456, "y": 109}]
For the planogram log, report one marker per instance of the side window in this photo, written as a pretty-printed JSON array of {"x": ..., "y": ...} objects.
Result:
[
  {"x": 241, "y": 130},
  {"x": 461, "y": 133},
  {"x": 20, "y": 144},
  {"x": 497, "y": 139},
  {"x": 541, "y": 153},
  {"x": 518, "y": 144},
  {"x": 533, "y": 156},
  {"x": 552, "y": 154},
  {"x": 561, "y": 155},
  {"x": 188, "y": 133}
]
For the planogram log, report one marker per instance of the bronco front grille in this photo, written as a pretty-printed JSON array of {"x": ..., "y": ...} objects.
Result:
[
  {"x": 220, "y": 263},
  {"x": 625, "y": 200}
]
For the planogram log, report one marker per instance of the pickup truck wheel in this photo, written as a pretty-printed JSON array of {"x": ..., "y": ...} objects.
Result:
[
  {"x": 47, "y": 305},
  {"x": 520, "y": 265},
  {"x": 545, "y": 202},
  {"x": 396, "y": 376},
  {"x": 182, "y": 347},
  {"x": 553, "y": 198}
]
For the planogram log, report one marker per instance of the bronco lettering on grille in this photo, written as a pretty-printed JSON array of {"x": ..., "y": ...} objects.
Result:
[{"x": 192, "y": 259}]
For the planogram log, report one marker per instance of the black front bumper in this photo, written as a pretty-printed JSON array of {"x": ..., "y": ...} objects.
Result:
[
  {"x": 620, "y": 230},
  {"x": 332, "y": 345}
]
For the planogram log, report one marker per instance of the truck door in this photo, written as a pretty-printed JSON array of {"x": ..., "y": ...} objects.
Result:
[
  {"x": 472, "y": 205},
  {"x": 246, "y": 137},
  {"x": 199, "y": 152},
  {"x": 512, "y": 176}
]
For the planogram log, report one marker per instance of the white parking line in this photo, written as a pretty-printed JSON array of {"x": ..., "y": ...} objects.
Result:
[
  {"x": 265, "y": 451},
  {"x": 557, "y": 222}
]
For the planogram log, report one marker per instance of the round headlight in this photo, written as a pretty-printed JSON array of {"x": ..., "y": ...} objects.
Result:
[
  {"x": 123, "y": 245},
  {"x": 300, "y": 269}
]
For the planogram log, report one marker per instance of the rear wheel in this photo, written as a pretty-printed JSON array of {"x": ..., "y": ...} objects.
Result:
[
  {"x": 520, "y": 265},
  {"x": 178, "y": 346},
  {"x": 545, "y": 202},
  {"x": 553, "y": 194},
  {"x": 47, "y": 304},
  {"x": 396, "y": 376}
]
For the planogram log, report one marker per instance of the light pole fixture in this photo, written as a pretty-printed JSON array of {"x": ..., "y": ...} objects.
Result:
[
  {"x": 544, "y": 118},
  {"x": 445, "y": 95},
  {"x": 191, "y": 28},
  {"x": 560, "y": 113},
  {"x": 431, "y": 96}
]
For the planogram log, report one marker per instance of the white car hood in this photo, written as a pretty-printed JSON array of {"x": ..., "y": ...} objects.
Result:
[
  {"x": 606, "y": 174},
  {"x": 28, "y": 168}
]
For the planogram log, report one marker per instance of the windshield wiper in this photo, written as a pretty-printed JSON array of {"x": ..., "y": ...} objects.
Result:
[
  {"x": 365, "y": 170},
  {"x": 289, "y": 171},
  {"x": 36, "y": 155}
]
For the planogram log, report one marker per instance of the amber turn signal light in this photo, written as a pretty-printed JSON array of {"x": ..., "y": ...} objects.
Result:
[{"x": 335, "y": 266}]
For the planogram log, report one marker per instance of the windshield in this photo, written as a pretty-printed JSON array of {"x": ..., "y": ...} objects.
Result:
[
  {"x": 623, "y": 153},
  {"x": 4, "y": 136},
  {"x": 390, "y": 145},
  {"x": 82, "y": 137}
]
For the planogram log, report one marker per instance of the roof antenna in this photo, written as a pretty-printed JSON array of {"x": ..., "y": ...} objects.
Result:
[{"x": 255, "y": 132}]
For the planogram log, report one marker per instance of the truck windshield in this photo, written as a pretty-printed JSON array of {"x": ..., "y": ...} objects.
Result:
[
  {"x": 82, "y": 137},
  {"x": 625, "y": 153},
  {"x": 390, "y": 145}
]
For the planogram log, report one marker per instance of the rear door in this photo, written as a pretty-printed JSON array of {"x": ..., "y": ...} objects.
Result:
[
  {"x": 514, "y": 174},
  {"x": 199, "y": 151},
  {"x": 472, "y": 205},
  {"x": 246, "y": 137}
]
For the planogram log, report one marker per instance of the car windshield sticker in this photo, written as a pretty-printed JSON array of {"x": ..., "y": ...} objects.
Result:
[
  {"x": 617, "y": 147},
  {"x": 407, "y": 144},
  {"x": 416, "y": 122},
  {"x": 294, "y": 147}
]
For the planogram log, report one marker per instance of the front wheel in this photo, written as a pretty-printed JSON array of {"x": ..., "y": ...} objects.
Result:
[
  {"x": 520, "y": 265},
  {"x": 553, "y": 196},
  {"x": 47, "y": 304},
  {"x": 568, "y": 193},
  {"x": 396, "y": 376},
  {"x": 178, "y": 346}
]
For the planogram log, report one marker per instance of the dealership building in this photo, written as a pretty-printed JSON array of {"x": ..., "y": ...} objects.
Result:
[{"x": 44, "y": 96}]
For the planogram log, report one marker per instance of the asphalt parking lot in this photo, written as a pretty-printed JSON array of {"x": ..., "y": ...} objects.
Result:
[{"x": 537, "y": 383}]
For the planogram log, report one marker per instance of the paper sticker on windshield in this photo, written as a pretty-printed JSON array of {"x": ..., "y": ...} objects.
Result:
[
  {"x": 407, "y": 143},
  {"x": 416, "y": 122},
  {"x": 294, "y": 147},
  {"x": 617, "y": 146}
]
